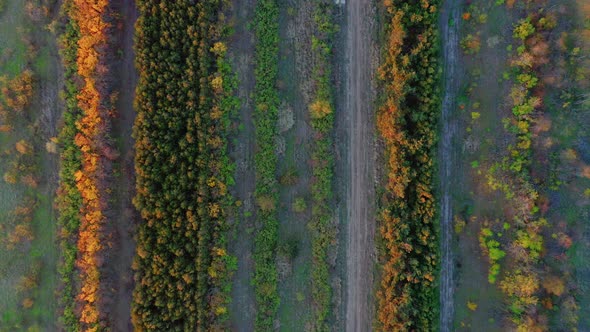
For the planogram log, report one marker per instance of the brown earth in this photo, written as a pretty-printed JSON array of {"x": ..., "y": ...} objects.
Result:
[
  {"x": 122, "y": 214},
  {"x": 241, "y": 52},
  {"x": 450, "y": 41},
  {"x": 359, "y": 106}
]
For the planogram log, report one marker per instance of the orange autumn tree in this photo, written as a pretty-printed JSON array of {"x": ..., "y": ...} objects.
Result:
[
  {"x": 406, "y": 122},
  {"x": 388, "y": 124},
  {"x": 89, "y": 16}
]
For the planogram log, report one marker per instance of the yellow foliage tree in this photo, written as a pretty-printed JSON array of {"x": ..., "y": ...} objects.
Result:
[{"x": 320, "y": 108}]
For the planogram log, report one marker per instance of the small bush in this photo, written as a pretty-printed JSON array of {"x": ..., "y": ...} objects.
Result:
[
  {"x": 524, "y": 29},
  {"x": 471, "y": 44},
  {"x": 266, "y": 203},
  {"x": 289, "y": 178},
  {"x": 299, "y": 205},
  {"x": 319, "y": 109},
  {"x": 459, "y": 225},
  {"x": 290, "y": 248}
]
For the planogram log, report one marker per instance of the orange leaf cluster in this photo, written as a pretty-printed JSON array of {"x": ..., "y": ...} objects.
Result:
[
  {"x": 405, "y": 123},
  {"x": 19, "y": 91},
  {"x": 388, "y": 118},
  {"x": 390, "y": 129},
  {"x": 89, "y": 15}
]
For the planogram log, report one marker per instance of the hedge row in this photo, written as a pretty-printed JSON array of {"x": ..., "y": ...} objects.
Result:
[
  {"x": 69, "y": 200},
  {"x": 265, "y": 162},
  {"x": 322, "y": 226}
]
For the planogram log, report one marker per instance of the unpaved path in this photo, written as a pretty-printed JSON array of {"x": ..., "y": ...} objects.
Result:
[
  {"x": 449, "y": 21},
  {"x": 361, "y": 219},
  {"x": 123, "y": 247},
  {"x": 241, "y": 46}
]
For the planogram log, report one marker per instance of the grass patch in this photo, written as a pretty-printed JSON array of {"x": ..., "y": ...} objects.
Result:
[{"x": 29, "y": 278}]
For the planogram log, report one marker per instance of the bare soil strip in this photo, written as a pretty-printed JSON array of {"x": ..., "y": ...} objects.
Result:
[
  {"x": 450, "y": 18},
  {"x": 241, "y": 46},
  {"x": 121, "y": 233},
  {"x": 361, "y": 216}
]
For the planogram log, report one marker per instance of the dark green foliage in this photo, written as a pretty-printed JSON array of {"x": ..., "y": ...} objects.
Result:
[
  {"x": 410, "y": 248},
  {"x": 184, "y": 103},
  {"x": 290, "y": 248}
]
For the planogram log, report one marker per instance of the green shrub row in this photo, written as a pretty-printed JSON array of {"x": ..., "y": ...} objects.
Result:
[
  {"x": 322, "y": 225},
  {"x": 265, "y": 161},
  {"x": 69, "y": 199}
]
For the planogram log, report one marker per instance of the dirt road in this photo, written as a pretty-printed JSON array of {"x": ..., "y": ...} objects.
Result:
[
  {"x": 449, "y": 29},
  {"x": 122, "y": 252},
  {"x": 361, "y": 190},
  {"x": 241, "y": 46}
]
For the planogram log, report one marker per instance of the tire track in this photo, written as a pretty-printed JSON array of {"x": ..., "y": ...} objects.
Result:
[
  {"x": 450, "y": 18},
  {"x": 361, "y": 220}
]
